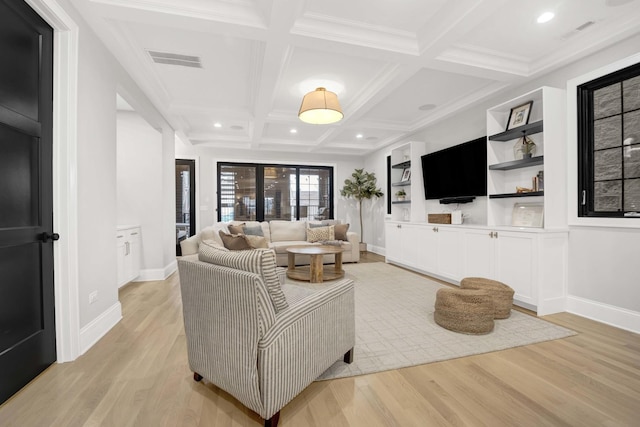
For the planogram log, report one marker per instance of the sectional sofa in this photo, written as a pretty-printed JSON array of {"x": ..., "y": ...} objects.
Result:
[{"x": 279, "y": 236}]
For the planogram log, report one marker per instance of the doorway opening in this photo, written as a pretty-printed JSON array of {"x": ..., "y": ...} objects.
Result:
[{"x": 185, "y": 200}]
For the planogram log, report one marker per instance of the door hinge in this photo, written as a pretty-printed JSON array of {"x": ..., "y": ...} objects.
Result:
[{"x": 584, "y": 197}]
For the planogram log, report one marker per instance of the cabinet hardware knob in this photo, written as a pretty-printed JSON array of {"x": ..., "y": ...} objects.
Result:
[
  {"x": 399, "y": 225},
  {"x": 496, "y": 234},
  {"x": 491, "y": 235}
]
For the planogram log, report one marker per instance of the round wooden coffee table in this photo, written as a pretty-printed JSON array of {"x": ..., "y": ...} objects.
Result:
[{"x": 315, "y": 272}]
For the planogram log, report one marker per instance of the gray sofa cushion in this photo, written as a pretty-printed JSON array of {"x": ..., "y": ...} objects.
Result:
[
  {"x": 281, "y": 247},
  {"x": 257, "y": 261}
]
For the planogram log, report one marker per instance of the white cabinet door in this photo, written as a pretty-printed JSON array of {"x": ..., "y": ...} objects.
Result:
[
  {"x": 128, "y": 254},
  {"x": 478, "y": 257},
  {"x": 393, "y": 242},
  {"x": 121, "y": 254},
  {"x": 449, "y": 252},
  {"x": 419, "y": 245},
  {"x": 516, "y": 258},
  {"x": 134, "y": 253},
  {"x": 428, "y": 250}
]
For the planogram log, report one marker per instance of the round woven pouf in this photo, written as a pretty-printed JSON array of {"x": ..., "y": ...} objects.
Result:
[
  {"x": 502, "y": 294},
  {"x": 464, "y": 310}
]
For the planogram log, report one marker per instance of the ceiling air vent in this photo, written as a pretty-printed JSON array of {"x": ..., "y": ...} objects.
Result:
[
  {"x": 578, "y": 29},
  {"x": 175, "y": 59}
]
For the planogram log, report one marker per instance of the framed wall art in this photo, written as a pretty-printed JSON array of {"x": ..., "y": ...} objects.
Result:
[{"x": 519, "y": 116}]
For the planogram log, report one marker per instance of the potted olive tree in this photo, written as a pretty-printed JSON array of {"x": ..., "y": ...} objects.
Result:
[{"x": 361, "y": 186}]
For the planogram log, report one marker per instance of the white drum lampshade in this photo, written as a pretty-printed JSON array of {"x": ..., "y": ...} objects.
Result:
[{"x": 320, "y": 107}]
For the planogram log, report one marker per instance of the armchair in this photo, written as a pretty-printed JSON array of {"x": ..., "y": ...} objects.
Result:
[{"x": 244, "y": 339}]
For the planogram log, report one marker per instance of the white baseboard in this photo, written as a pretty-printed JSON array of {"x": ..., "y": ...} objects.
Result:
[
  {"x": 98, "y": 327},
  {"x": 157, "y": 273},
  {"x": 605, "y": 313},
  {"x": 376, "y": 249},
  {"x": 551, "y": 306}
]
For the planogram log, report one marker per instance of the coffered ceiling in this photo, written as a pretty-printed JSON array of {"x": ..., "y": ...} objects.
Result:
[{"x": 232, "y": 73}]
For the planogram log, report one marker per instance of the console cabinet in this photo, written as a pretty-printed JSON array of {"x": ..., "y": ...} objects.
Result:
[
  {"x": 533, "y": 262},
  {"x": 128, "y": 250}
]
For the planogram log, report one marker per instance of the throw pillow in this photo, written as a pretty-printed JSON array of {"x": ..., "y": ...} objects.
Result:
[
  {"x": 320, "y": 234},
  {"x": 341, "y": 231},
  {"x": 236, "y": 229},
  {"x": 234, "y": 242},
  {"x": 315, "y": 225},
  {"x": 256, "y": 242},
  {"x": 330, "y": 222},
  {"x": 252, "y": 231}
]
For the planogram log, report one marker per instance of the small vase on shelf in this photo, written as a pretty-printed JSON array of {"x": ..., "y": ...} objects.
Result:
[{"x": 524, "y": 148}]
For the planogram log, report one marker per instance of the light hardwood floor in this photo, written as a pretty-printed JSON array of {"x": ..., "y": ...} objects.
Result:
[{"x": 137, "y": 375}]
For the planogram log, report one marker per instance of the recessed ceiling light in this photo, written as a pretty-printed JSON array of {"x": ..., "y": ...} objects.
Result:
[
  {"x": 217, "y": 125},
  {"x": 293, "y": 131},
  {"x": 427, "y": 107},
  {"x": 545, "y": 17},
  {"x": 359, "y": 136}
]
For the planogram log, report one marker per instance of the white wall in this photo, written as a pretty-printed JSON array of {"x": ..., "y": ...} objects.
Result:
[
  {"x": 140, "y": 190},
  {"x": 93, "y": 170},
  {"x": 207, "y": 173},
  {"x": 603, "y": 281}
]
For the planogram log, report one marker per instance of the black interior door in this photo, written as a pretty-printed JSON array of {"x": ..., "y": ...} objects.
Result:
[{"x": 27, "y": 329}]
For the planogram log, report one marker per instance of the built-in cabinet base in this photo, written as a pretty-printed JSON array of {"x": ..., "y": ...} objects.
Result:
[
  {"x": 532, "y": 261},
  {"x": 128, "y": 247}
]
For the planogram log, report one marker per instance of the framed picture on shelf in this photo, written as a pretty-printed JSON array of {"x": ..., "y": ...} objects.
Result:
[
  {"x": 527, "y": 215},
  {"x": 519, "y": 115},
  {"x": 406, "y": 175}
]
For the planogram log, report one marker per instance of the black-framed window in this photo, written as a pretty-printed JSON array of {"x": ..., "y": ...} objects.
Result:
[
  {"x": 264, "y": 192},
  {"x": 609, "y": 145}
]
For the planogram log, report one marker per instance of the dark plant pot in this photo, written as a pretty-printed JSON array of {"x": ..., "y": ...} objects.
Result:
[{"x": 527, "y": 155}]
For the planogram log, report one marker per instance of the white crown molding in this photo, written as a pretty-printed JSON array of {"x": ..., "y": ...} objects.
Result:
[
  {"x": 199, "y": 137},
  {"x": 238, "y": 12},
  {"x": 222, "y": 145},
  {"x": 383, "y": 78},
  {"x": 486, "y": 58},
  {"x": 356, "y": 33}
]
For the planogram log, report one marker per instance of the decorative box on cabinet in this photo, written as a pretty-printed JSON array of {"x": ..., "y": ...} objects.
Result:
[{"x": 128, "y": 250}]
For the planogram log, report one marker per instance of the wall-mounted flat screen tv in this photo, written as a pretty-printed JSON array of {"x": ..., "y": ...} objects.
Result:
[{"x": 458, "y": 171}]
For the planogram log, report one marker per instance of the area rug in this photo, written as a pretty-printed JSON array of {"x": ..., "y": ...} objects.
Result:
[{"x": 395, "y": 326}]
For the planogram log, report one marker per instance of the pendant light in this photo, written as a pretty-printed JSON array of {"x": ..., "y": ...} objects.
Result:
[{"x": 320, "y": 107}]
